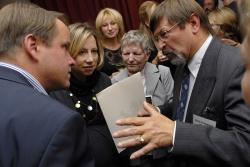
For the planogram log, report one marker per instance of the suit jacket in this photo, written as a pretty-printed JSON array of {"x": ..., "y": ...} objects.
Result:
[
  {"x": 36, "y": 130},
  {"x": 216, "y": 96},
  {"x": 158, "y": 80}
]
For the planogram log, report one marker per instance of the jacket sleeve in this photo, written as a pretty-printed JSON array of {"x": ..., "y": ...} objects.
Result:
[{"x": 213, "y": 146}]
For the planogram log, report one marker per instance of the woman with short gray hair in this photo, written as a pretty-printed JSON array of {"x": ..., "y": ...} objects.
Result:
[{"x": 157, "y": 80}]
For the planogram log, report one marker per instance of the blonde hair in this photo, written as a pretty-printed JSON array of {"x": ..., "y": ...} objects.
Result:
[
  {"x": 79, "y": 33},
  {"x": 145, "y": 11},
  {"x": 115, "y": 16},
  {"x": 226, "y": 19}
]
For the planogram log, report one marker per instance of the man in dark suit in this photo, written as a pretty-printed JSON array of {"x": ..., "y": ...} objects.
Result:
[
  {"x": 34, "y": 129},
  {"x": 212, "y": 126}
]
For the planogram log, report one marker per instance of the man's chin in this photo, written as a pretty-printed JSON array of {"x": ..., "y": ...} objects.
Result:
[
  {"x": 178, "y": 61},
  {"x": 175, "y": 59}
]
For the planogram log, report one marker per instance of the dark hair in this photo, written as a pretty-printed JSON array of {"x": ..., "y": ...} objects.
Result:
[{"x": 179, "y": 11}]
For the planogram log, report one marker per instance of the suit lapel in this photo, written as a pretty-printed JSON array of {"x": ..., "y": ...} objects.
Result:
[
  {"x": 205, "y": 81},
  {"x": 152, "y": 76}
]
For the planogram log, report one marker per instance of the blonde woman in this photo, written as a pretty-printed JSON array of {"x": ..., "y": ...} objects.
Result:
[
  {"x": 145, "y": 11},
  {"x": 225, "y": 26},
  {"x": 86, "y": 81},
  {"x": 109, "y": 24}
]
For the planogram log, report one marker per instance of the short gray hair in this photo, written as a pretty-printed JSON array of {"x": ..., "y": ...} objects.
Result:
[{"x": 137, "y": 37}]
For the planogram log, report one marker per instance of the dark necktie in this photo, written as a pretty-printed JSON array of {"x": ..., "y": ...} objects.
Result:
[{"x": 183, "y": 94}]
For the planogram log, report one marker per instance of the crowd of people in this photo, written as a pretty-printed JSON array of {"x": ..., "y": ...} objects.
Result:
[{"x": 194, "y": 61}]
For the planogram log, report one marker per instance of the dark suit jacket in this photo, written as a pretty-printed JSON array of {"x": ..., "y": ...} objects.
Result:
[
  {"x": 36, "y": 130},
  {"x": 216, "y": 96}
]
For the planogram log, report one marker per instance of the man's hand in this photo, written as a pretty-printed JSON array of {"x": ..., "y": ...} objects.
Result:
[{"x": 154, "y": 131}]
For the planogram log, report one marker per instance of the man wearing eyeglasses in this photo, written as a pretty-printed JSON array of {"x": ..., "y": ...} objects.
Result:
[{"x": 210, "y": 125}]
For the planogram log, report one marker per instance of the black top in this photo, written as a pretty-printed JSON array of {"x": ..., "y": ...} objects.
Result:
[
  {"x": 81, "y": 96},
  {"x": 101, "y": 142},
  {"x": 112, "y": 61}
]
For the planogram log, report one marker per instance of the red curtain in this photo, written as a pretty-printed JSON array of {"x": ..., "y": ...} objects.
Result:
[{"x": 86, "y": 10}]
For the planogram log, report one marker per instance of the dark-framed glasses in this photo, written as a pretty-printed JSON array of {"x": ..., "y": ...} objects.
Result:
[{"x": 164, "y": 34}]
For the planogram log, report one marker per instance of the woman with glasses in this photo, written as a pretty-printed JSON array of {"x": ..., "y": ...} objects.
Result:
[{"x": 85, "y": 82}]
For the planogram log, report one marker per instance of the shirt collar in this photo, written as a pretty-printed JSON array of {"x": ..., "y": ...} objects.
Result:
[
  {"x": 194, "y": 64},
  {"x": 35, "y": 83}
]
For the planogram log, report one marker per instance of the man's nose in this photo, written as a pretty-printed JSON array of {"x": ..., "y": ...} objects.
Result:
[
  {"x": 71, "y": 60},
  {"x": 160, "y": 44}
]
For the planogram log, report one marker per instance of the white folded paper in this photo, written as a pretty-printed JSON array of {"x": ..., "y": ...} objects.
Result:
[{"x": 121, "y": 100}]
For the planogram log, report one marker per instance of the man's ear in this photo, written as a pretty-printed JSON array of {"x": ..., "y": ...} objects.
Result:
[
  {"x": 31, "y": 44},
  {"x": 195, "y": 23}
]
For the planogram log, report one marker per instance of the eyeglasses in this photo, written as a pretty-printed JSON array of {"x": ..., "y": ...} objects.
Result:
[{"x": 164, "y": 34}]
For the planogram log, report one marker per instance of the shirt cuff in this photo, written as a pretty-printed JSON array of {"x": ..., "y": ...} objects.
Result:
[
  {"x": 158, "y": 109},
  {"x": 173, "y": 138}
]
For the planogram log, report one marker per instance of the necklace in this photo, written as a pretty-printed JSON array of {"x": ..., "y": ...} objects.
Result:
[
  {"x": 83, "y": 108},
  {"x": 78, "y": 103}
]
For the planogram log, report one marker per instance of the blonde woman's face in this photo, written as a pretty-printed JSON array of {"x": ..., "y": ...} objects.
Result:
[
  {"x": 86, "y": 60},
  {"x": 109, "y": 28}
]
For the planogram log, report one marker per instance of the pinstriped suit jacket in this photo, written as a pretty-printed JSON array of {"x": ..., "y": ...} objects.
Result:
[{"x": 216, "y": 96}]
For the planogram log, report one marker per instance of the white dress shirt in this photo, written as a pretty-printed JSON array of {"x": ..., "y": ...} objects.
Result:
[{"x": 194, "y": 66}]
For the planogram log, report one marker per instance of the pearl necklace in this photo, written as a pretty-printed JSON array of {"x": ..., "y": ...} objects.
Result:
[{"x": 78, "y": 104}]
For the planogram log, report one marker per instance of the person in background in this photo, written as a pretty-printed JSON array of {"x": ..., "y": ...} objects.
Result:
[
  {"x": 110, "y": 26},
  {"x": 145, "y": 11},
  {"x": 210, "y": 5},
  {"x": 210, "y": 125},
  {"x": 157, "y": 80},
  {"x": 156, "y": 57},
  {"x": 85, "y": 82},
  {"x": 224, "y": 24},
  {"x": 232, "y": 4},
  {"x": 36, "y": 130}
]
